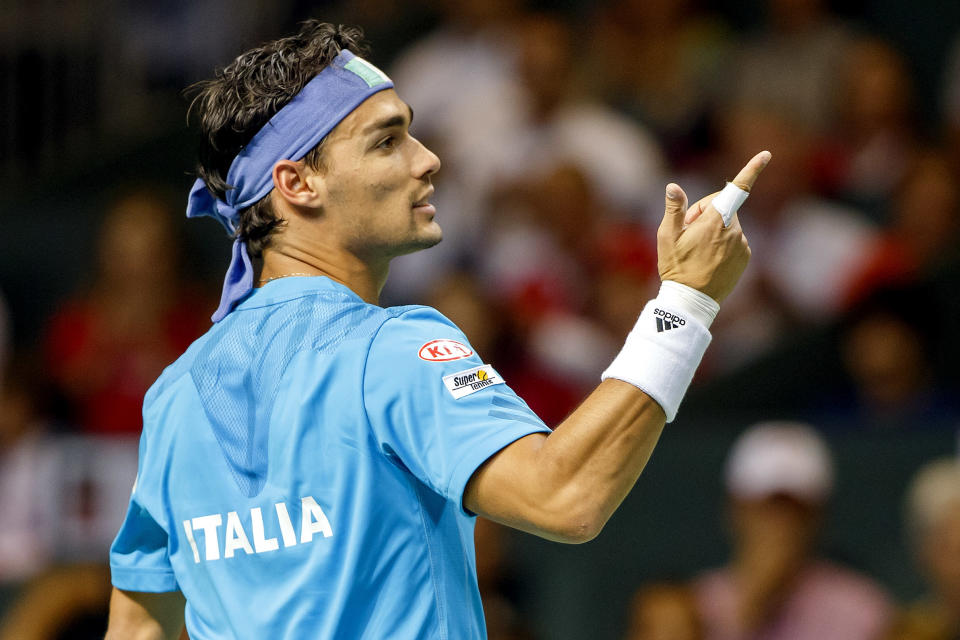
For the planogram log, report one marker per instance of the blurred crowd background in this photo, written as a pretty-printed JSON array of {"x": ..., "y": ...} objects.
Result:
[{"x": 559, "y": 124}]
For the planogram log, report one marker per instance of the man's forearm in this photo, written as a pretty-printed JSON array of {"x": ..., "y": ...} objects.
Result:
[{"x": 596, "y": 455}]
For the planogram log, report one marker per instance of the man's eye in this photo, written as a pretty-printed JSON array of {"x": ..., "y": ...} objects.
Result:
[{"x": 387, "y": 143}]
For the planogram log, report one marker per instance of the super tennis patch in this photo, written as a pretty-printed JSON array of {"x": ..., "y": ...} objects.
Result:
[{"x": 470, "y": 381}]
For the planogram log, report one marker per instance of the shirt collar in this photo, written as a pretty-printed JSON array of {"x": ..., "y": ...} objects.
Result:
[{"x": 292, "y": 287}]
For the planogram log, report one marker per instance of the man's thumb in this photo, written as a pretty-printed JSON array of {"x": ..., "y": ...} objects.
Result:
[{"x": 675, "y": 210}]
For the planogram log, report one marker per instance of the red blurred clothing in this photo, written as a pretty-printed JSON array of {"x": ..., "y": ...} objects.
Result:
[
  {"x": 892, "y": 263},
  {"x": 104, "y": 372}
]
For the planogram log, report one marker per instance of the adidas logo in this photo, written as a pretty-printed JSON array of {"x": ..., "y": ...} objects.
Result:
[{"x": 666, "y": 320}]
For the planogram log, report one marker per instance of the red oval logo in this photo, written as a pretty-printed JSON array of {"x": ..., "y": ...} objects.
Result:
[{"x": 444, "y": 350}]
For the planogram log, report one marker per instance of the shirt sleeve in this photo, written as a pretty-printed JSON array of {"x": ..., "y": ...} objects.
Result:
[
  {"x": 139, "y": 556},
  {"x": 434, "y": 406}
]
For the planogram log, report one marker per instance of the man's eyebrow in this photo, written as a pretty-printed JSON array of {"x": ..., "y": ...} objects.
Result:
[{"x": 390, "y": 121}]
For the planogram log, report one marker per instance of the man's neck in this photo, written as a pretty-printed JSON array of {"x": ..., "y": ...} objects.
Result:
[{"x": 360, "y": 277}]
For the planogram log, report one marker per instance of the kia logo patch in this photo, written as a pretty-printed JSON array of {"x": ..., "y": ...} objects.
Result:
[{"x": 444, "y": 350}]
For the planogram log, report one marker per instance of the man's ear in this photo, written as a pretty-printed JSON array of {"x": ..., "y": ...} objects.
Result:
[{"x": 290, "y": 182}]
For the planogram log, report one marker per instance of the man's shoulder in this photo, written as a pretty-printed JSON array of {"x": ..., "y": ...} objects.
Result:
[
  {"x": 416, "y": 314},
  {"x": 312, "y": 318},
  {"x": 414, "y": 324},
  {"x": 175, "y": 371}
]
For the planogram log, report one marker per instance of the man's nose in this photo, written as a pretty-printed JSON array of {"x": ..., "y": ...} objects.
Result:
[{"x": 427, "y": 162}]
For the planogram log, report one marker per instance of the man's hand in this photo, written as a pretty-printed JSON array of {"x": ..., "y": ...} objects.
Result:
[{"x": 693, "y": 246}]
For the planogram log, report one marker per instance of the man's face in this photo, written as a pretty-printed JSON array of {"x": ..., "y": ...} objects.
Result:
[{"x": 376, "y": 180}]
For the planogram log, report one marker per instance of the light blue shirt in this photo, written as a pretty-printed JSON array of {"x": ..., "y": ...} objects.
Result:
[{"x": 302, "y": 470}]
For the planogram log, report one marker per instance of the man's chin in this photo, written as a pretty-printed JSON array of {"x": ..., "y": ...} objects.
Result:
[
  {"x": 425, "y": 240},
  {"x": 430, "y": 235}
]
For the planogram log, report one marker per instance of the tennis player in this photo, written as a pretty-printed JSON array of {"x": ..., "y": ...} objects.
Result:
[{"x": 312, "y": 466}]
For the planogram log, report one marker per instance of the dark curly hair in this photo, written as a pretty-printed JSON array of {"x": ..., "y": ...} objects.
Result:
[{"x": 243, "y": 96}]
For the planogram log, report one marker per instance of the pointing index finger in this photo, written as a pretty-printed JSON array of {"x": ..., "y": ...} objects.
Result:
[{"x": 748, "y": 175}]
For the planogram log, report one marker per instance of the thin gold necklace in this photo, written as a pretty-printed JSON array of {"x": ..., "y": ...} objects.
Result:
[{"x": 284, "y": 275}]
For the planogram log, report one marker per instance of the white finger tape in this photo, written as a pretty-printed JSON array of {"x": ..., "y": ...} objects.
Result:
[{"x": 729, "y": 201}]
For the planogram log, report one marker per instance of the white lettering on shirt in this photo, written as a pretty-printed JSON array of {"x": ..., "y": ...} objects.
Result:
[
  {"x": 262, "y": 545},
  {"x": 236, "y": 538},
  {"x": 188, "y": 528},
  {"x": 314, "y": 521},
  {"x": 209, "y": 524},
  {"x": 286, "y": 527}
]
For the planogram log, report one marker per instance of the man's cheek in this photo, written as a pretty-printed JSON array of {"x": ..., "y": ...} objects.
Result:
[{"x": 379, "y": 191}]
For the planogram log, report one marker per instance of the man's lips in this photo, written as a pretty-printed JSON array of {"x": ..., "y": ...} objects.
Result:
[
  {"x": 425, "y": 208},
  {"x": 423, "y": 204}
]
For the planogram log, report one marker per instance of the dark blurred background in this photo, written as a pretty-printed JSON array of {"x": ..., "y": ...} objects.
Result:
[{"x": 559, "y": 124}]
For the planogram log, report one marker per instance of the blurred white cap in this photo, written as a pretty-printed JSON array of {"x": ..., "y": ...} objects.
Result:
[{"x": 780, "y": 458}]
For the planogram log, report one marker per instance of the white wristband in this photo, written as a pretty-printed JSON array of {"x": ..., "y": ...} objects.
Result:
[
  {"x": 729, "y": 201},
  {"x": 696, "y": 303},
  {"x": 664, "y": 349}
]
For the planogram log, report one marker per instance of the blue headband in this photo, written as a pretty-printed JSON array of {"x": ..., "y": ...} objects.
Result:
[{"x": 289, "y": 135}]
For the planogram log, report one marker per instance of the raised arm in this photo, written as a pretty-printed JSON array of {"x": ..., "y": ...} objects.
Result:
[
  {"x": 145, "y": 616},
  {"x": 565, "y": 486}
]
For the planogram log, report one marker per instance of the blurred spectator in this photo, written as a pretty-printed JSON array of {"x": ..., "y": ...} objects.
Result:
[
  {"x": 506, "y": 102},
  {"x": 506, "y": 112},
  {"x": 662, "y": 61},
  {"x": 923, "y": 235},
  {"x": 664, "y": 611},
  {"x": 889, "y": 359},
  {"x": 28, "y": 471},
  {"x": 806, "y": 251},
  {"x": 541, "y": 242},
  {"x": 933, "y": 522},
  {"x": 105, "y": 347},
  {"x": 778, "y": 478},
  {"x": 792, "y": 63},
  {"x": 559, "y": 124},
  {"x": 545, "y": 246},
  {"x": 873, "y": 138}
]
